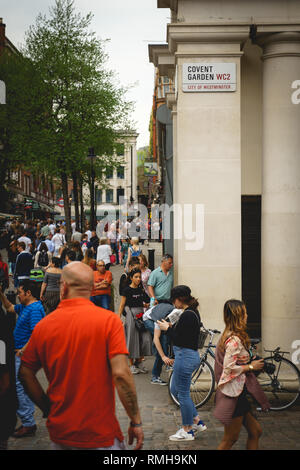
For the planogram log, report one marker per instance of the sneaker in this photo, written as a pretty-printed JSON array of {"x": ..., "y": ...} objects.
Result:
[
  {"x": 25, "y": 431},
  {"x": 199, "y": 427},
  {"x": 142, "y": 369},
  {"x": 158, "y": 381},
  {"x": 182, "y": 435},
  {"x": 134, "y": 370}
]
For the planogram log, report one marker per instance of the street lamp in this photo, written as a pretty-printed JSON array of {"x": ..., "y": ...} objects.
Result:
[{"x": 92, "y": 156}]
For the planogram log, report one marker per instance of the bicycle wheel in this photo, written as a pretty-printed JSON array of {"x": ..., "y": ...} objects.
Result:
[
  {"x": 282, "y": 388},
  {"x": 202, "y": 385}
]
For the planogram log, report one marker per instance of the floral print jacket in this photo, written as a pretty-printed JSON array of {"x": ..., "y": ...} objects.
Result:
[{"x": 233, "y": 378}]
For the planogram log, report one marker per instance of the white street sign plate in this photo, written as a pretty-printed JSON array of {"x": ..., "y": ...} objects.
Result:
[{"x": 208, "y": 77}]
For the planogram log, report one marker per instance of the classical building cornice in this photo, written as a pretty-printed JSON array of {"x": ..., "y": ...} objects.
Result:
[
  {"x": 172, "y": 4},
  {"x": 161, "y": 57},
  {"x": 193, "y": 33}
]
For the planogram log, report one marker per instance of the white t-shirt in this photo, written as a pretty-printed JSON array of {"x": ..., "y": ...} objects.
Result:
[
  {"x": 58, "y": 240},
  {"x": 89, "y": 234},
  {"x": 27, "y": 242},
  {"x": 104, "y": 252}
]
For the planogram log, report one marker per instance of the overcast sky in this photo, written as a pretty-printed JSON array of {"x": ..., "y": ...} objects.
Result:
[{"x": 129, "y": 24}]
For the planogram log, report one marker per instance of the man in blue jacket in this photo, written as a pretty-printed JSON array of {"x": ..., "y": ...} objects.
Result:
[{"x": 24, "y": 263}]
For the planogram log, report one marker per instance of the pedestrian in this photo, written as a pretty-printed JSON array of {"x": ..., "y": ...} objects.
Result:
[
  {"x": 124, "y": 279},
  {"x": 89, "y": 259},
  {"x": 184, "y": 336},
  {"x": 82, "y": 417},
  {"x": 4, "y": 275},
  {"x": 133, "y": 250},
  {"x": 145, "y": 272},
  {"x": 150, "y": 318},
  {"x": 50, "y": 290},
  {"x": 84, "y": 243},
  {"x": 76, "y": 236},
  {"x": 125, "y": 243},
  {"x": 101, "y": 293},
  {"x": 160, "y": 281},
  {"x": 12, "y": 256},
  {"x": 43, "y": 257},
  {"x": 104, "y": 252},
  {"x": 75, "y": 246},
  {"x": 8, "y": 394},
  {"x": 70, "y": 256},
  {"x": 139, "y": 342},
  {"x": 24, "y": 264},
  {"x": 30, "y": 311},
  {"x": 59, "y": 241},
  {"x": 94, "y": 242},
  {"x": 112, "y": 237},
  {"x": 235, "y": 378},
  {"x": 23, "y": 238}
]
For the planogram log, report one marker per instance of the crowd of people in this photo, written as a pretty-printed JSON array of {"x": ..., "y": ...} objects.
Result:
[{"x": 57, "y": 325}]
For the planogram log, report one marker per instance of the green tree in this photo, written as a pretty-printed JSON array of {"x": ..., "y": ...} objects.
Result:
[{"x": 86, "y": 106}]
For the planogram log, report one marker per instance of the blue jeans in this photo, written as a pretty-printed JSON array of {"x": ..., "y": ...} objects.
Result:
[
  {"x": 114, "y": 247},
  {"x": 186, "y": 361},
  {"x": 101, "y": 300},
  {"x": 26, "y": 407},
  {"x": 158, "y": 363}
]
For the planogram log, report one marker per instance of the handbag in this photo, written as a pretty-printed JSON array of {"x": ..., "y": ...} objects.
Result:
[{"x": 139, "y": 324}]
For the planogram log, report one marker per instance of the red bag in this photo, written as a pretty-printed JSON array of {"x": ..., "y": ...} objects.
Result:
[{"x": 112, "y": 259}]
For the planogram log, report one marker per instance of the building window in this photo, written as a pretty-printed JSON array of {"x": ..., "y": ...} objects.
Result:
[
  {"x": 109, "y": 195},
  {"x": 120, "y": 173},
  {"x": 120, "y": 149},
  {"x": 99, "y": 196},
  {"x": 120, "y": 192},
  {"x": 109, "y": 173}
]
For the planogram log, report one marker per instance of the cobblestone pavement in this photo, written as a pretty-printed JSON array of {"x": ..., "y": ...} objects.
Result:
[{"x": 161, "y": 418}]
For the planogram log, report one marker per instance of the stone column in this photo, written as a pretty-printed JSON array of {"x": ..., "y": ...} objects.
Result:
[
  {"x": 207, "y": 168},
  {"x": 281, "y": 191}
]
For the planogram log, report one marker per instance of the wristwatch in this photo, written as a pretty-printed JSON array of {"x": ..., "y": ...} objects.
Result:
[
  {"x": 135, "y": 425},
  {"x": 251, "y": 367}
]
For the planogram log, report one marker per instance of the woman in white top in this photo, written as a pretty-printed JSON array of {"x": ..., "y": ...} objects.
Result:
[
  {"x": 104, "y": 252},
  {"x": 58, "y": 240}
]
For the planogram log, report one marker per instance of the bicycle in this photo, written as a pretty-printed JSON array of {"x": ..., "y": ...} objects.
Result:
[
  {"x": 282, "y": 385},
  {"x": 203, "y": 379}
]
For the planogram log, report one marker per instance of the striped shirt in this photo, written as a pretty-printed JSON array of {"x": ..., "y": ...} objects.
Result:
[{"x": 28, "y": 317}]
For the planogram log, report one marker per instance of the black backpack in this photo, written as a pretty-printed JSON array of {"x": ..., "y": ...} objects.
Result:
[{"x": 43, "y": 259}]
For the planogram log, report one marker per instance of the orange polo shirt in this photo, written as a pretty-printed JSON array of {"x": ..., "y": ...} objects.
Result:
[
  {"x": 73, "y": 345},
  {"x": 107, "y": 276}
]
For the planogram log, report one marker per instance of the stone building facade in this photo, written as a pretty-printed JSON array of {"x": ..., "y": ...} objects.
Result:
[{"x": 235, "y": 152}]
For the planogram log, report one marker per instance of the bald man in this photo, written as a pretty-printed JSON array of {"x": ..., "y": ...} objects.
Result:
[{"x": 82, "y": 350}]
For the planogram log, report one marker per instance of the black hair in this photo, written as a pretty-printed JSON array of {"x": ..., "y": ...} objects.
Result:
[
  {"x": 71, "y": 255},
  {"x": 56, "y": 261},
  {"x": 133, "y": 272},
  {"x": 183, "y": 293},
  {"x": 32, "y": 286},
  {"x": 133, "y": 261}
]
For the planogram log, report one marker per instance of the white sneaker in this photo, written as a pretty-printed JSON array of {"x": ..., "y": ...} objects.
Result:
[
  {"x": 134, "y": 370},
  {"x": 142, "y": 369},
  {"x": 199, "y": 427},
  {"x": 182, "y": 435}
]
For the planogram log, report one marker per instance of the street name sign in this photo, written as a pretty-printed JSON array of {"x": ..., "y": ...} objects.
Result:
[{"x": 208, "y": 77}]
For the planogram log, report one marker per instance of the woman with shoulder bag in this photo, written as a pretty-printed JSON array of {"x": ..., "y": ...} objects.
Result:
[
  {"x": 138, "y": 342},
  {"x": 235, "y": 377},
  {"x": 184, "y": 336}
]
